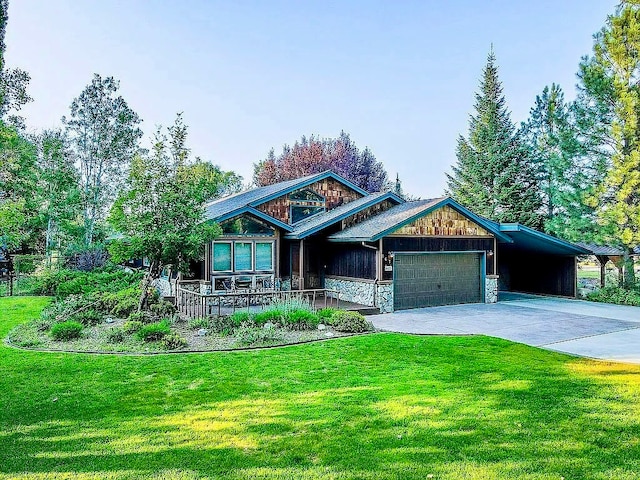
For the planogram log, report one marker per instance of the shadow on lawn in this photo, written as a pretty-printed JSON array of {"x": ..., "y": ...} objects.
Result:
[{"x": 384, "y": 406}]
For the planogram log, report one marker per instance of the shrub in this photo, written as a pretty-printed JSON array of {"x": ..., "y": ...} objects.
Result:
[
  {"x": 64, "y": 282},
  {"x": 292, "y": 305},
  {"x": 116, "y": 335},
  {"x": 350, "y": 322},
  {"x": 121, "y": 303},
  {"x": 43, "y": 325},
  {"x": 301, "y": 320},
  {"x": 142, "y": 317},
  {"x": 163, "y": 308},
  {"x": 173, "y": 341},
  {"x": 154, "y": 332},
  {"x": 131, "y": 326},
  {"x": 326, "y": 313},
  {"x": 239, "y": 318},
  {"x": 617, "y": 295},
  {"x": 222, "y": 325},
  {"x": 90, "y": 259},
  {"x": 88, "y": 317},
  {"x": 65, "y": 331},
  {"x": 271, "y": 315},
  {"x": 258, "y": 335},
  {"x": 198, "y": 323}
]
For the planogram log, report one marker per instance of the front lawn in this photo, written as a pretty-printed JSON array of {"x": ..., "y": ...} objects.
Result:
[{"x": 380, "y": 406}]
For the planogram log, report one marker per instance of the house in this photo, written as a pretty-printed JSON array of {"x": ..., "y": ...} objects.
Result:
[{"x": 376, "y": 249}]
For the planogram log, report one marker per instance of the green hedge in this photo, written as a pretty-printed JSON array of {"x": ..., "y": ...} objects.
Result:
[
  {"x": 65, "y": 282},
  {"x": 617, "y": 295}
]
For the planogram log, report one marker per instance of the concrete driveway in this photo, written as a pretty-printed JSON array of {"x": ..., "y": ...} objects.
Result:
[{"x": 609, "y": 332}]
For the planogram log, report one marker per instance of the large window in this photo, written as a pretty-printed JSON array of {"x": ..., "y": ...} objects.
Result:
[
  {"x": 264, "y": 255},
  {"x": 243, "y": 256},
  {"x": 305, "y": 203},
  {"x": 222, "y": 256}
]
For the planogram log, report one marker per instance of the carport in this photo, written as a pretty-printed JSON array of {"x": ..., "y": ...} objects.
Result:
[{"x": 537, "y": 263}]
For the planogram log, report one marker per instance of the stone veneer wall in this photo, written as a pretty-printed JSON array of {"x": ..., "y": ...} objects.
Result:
[
  {"x": 491, "y": 289},
  {"x": 164, "y": 287},
  {"x": 385, "y": 297},
  {"x": 353, "y": 290}
]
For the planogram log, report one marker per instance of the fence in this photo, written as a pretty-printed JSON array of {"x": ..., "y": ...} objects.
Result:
[
  {"x": 21, "y": 280},
  {"x": 194, "y": 304}
]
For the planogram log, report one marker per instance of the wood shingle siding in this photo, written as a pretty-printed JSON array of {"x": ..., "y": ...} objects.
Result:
[
  {"x": 334, "y": 192},
  {"x": 443, "y": 221}
]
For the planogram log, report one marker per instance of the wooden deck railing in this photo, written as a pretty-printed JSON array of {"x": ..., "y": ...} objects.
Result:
[{"x": 194, "y": 304}]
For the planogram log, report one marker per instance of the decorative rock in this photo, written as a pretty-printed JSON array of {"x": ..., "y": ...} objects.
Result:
[
  {"x": 202, "y": 332},
  {"x": 109, "y": 320},
  {"x": 268, "y": 326},
  {"x": 329, "y": 334},
  {"x": 322, "y": 326}
]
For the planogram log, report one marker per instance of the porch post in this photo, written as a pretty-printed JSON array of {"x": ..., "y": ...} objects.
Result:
[
  {"x": 379, "y": 273},
  {"x": 301, "y": 264},
  {"x": 207, "y": 261},
  {"x": 602, "y": 261}
]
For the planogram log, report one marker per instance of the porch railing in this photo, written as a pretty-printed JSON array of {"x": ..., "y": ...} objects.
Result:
[{"x": 194, "y": 304}]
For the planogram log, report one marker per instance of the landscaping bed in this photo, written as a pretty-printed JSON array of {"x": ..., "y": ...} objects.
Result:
[
  {"x": 105, "y": 337},
  {"x": 105, "y": 322}
]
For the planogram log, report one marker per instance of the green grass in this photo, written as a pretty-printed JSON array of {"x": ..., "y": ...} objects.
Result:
[{"x": 381, "y": 406}]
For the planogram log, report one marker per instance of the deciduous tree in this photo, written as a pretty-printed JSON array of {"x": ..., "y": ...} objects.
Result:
[
  {"x": 314, "y": 155},
  {"x": 104, "y": 133},
  {"x": 13, "y": 82},
  {"x": 160, "y": 210}
]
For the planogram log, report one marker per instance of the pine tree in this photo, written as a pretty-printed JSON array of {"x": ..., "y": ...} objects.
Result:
[
  {"x": 564, "y": 163},
  {"x": 493, "y": 175},
  {"x": 611, "y": 98}
]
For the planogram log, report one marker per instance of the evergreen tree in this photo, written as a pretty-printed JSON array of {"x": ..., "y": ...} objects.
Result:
[
  {"x": 610, "y": 93},
  {"x": 493, "y": 175},
  {"x": 563, "y": 163}
]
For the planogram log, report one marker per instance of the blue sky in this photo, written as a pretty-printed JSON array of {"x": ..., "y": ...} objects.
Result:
[{"x": 399, "y": 76}]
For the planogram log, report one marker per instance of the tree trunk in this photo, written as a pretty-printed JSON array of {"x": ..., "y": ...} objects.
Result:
[
  {"x": 147, "y": 285},
  {"x": 629, "y": 269}
]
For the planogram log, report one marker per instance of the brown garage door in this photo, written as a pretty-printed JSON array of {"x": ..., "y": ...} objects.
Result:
[{"x": 432, "y": 279}]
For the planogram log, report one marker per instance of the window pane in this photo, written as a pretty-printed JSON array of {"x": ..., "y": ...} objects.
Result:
[
  {"x": 221, "y": 257},
  {"x": 246, "y": 226},
  {"x": 243, "y": 256},
  {"x": 300, "y": 213},
  {"x": 264, "y": 256},
  {"x": 306, "y": 195}
]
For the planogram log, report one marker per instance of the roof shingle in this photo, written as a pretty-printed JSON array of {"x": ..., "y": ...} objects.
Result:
[{"x": 384, "y": 221}]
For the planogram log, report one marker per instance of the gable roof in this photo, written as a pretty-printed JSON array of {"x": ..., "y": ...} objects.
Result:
[
  {"x": 256, "y": 213},
  {"x": 232, "y": 204},
  {"x": 319, "y": 222},
  {"x": 396, "y": 217}
]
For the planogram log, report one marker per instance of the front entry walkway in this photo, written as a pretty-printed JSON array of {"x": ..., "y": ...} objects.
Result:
[{"x": 610, "y": 332}]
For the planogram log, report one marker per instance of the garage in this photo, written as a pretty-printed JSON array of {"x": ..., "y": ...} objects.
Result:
[{"x": 430, "y": 279}]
